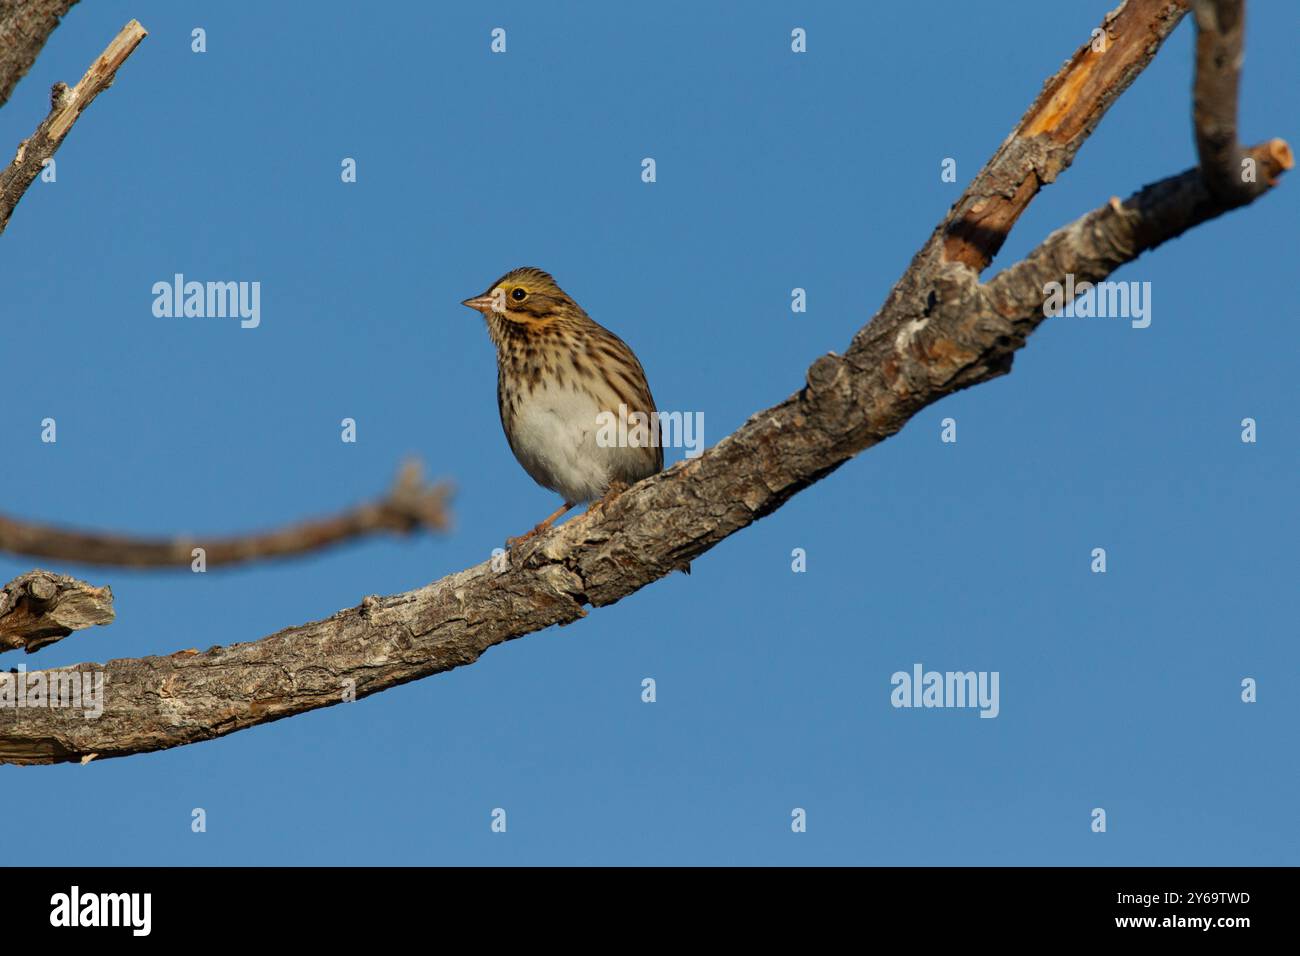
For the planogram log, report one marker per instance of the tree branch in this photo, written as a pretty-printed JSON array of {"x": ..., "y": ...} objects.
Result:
[
  {"x": 25, "y": 25},
  {"x": 40, "y": 607},
  {"x": 1092, "y": 247},
  {"x": 410, "y": 504},
  {"x": 1048, "y": 136},
  {"x": 65, "y": 106},
  {"x": 940, "y": 330},
  {"x": 1225, "y": 166}
]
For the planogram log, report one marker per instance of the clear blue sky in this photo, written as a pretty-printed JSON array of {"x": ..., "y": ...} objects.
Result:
[{"x": 775, "y": 170}]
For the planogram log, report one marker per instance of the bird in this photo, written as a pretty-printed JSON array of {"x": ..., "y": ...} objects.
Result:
[{"x": 562, "y": 380}]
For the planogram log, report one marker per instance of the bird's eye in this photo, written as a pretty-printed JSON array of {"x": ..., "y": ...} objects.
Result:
[{"x": 519, "y": 295}]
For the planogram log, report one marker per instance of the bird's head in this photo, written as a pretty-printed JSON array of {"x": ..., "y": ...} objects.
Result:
[{"x": 526, "y": 297}]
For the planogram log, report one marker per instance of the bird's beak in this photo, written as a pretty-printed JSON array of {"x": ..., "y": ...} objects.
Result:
[{"x": 480, "y": 303}]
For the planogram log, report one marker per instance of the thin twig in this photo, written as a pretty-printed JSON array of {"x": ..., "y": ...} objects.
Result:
[
  {"x": 66, "y": 104},
  {"x": 410, "y": 505}
]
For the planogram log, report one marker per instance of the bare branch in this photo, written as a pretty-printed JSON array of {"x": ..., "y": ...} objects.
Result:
[
  {"x": 25, "y": 25},
  {"x": 410, "y": 505},
  {"x": 939, "y": 331},
  {"x": 1225, "y": 166},
  {"x": 1048, "y": 136},
  {"x": 65, "y": 106},
  {"x": 40, "y": 607},
  {"x": 1039, "y": 148},
  {"x": 1094, "y": 246}
]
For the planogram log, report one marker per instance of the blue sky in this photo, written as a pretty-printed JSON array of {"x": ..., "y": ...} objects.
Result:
[{"x": 774, "y": 171}]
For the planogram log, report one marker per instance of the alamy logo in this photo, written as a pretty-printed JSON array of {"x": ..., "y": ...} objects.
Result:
[
  {"x": 209, "y": 300},
  {"x": 923, "y": 688},
  {"x": 53, "y": 688},
  {"x": 662, "y": 429},
  {"x": 1103, "y": 300},
  {"x": 103, "y": 909}
]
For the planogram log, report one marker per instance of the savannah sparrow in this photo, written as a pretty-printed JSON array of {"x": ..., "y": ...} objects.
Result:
[{"x": 557, "y": 372}]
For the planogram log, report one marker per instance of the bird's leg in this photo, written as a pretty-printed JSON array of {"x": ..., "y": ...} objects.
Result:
[{"x": 511, "y": 542}]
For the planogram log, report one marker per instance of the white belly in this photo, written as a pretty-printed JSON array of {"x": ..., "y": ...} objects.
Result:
[{"x": 555, "y": 441}]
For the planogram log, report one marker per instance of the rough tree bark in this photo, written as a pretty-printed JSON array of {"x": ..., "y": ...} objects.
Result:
[
  {"x": 940, "y": 330},
  {"x": 40, "y": 607},
  {"x": 25, "y": 25}
]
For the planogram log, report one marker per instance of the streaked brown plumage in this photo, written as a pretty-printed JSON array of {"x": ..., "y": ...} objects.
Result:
[{"x": 557, "y": 371}]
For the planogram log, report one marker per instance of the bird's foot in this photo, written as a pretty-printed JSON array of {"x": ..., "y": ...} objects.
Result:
[
  {"x": 512, "y": 543},
  {"x": 542, "y": 526}
]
